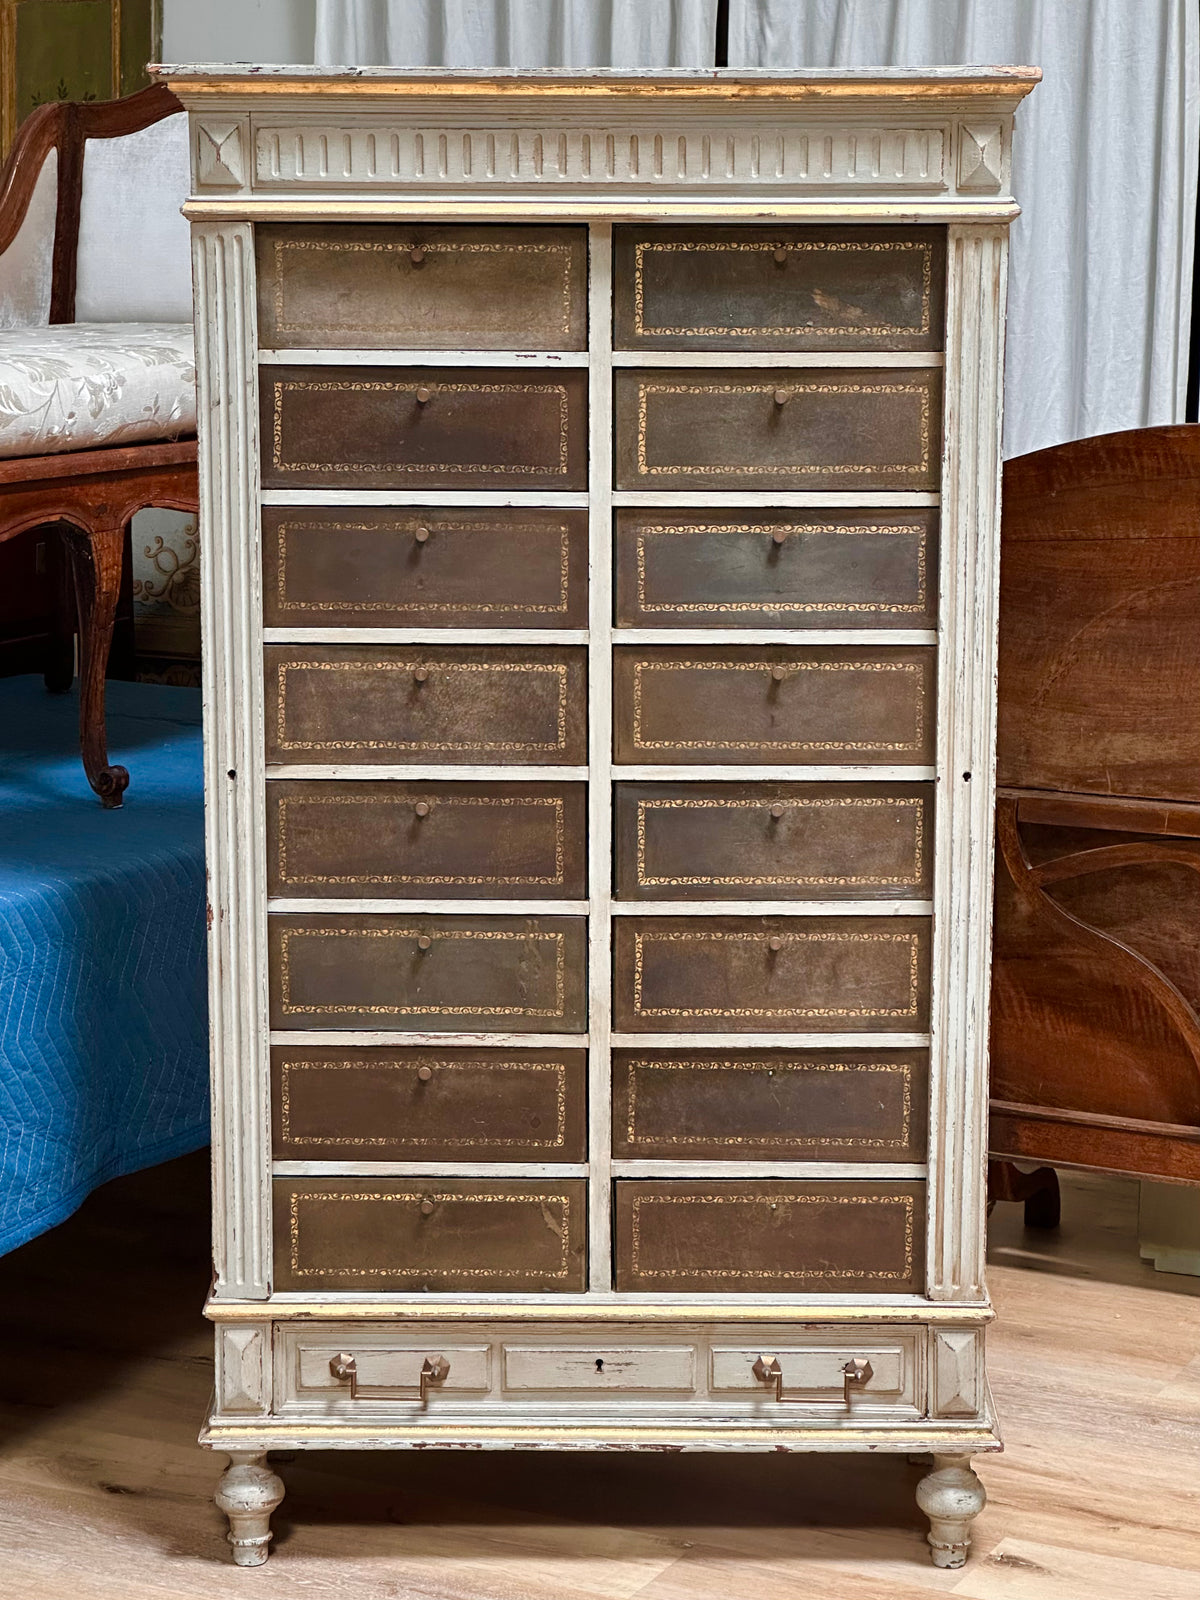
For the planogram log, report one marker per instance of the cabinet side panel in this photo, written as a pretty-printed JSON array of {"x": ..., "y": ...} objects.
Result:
[
  {"x": 235, "y": 825},
  {"x": 976, "y": 285}
]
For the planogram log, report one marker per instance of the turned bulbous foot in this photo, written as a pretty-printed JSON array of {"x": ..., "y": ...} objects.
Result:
[
  {"x": 951, "y": 1496},
  {"x": 248, "y": 1493}
]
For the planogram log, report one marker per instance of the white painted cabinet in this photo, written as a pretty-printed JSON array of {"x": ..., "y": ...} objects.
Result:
[{"x": 600, "y": 486}]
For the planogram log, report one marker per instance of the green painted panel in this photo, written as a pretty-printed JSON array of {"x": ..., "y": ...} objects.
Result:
[
  {"x": 64, "y": 52},
  {"x": 141, "y": 41}
]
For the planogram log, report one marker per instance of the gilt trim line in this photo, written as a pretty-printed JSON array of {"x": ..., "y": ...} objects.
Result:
[
  {"x": 321, "y": 1140},
  {"x": 441, "y": 529},
  {"x": 427, "y": 1270},
  {"x": 286, "y": 935},
  {"x": 797, "y": 246},
  {"x": 408, "y": 386},
  {"x": 402, "y": 247}
]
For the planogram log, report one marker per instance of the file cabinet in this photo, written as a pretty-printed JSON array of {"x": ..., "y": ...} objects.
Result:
[{"x": 601, "y": 483}]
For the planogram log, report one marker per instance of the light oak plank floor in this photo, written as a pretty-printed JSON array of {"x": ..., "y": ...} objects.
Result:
[{"x": 105, "y": 1372}]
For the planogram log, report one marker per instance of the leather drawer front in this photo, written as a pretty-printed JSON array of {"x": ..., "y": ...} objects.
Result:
[
  {"x": 417, "y": 287},
  {"x": 774, "y": 704},
  {"x": 721, "y": 975},
  {"x": 767, "y": 842},
  {"x": 787, "y": 569},
  {"x": 393, "y": 840},
  {"x": 436, "y": 1234},
  {"x": 477, "y": 428},
  {"x": 358, "y": 567},
  {"x": 425, "y": 1104},
  {"x": 727, "y": 289},
  {"x": 769, "y": 1235},
  {"x": 476, "y": 974},
  {"x": 723, "y": 429},
  {"x": 379, "y": 705},
  {"x": 784, "y": 1105}
]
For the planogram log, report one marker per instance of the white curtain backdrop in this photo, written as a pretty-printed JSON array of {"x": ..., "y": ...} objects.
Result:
[
  {"x": 1105, "y": 170},
  {"x": 516, "y": 33}
]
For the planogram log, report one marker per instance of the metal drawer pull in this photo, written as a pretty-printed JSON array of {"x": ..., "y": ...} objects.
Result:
[
  {"x": 420, "y": 674},
  {"x": 424, "y": 942},
  {"x": 856, "y": 1374},
  {"x": 417, "y": 255},
  {"x": 424, "y": 395},
  {"x": 421, "y": 809},
  {"x": 778, "y": 674},
  {"x": 421, "y": 535},
  {"x": 424, "y": 1073},
  {"x": 781, "y": 397},
  {"x": 344, "y": 1367},
  {"x": 427, "y": 1207},
  {"x": 779, "y": 536},
  {"x": 778, "y": 811},
  {"x": 781, "y": 255},
  {"x": 775, "y": 944}
]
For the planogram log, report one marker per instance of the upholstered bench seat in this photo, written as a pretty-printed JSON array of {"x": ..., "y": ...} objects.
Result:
[{"x": 83, "y": 385}]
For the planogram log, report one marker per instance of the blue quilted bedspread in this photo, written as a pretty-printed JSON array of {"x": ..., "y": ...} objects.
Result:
[{"x": 103, "y": 1018}]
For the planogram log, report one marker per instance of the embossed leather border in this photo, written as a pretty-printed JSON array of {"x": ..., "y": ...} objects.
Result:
[
  {"x": 286, "y": 1068},
  {"x": 285, "y": 527},
  {"x": 800, "y": 1274},
  {"x": 402, "y": 799},
  {"x": 732, "y": 607},
  {"x": 805, "y": 802},
  {"x": 721, "y": 936},
  {"x": 798, "y": 246},
  {"x": 286, "y": 935}
]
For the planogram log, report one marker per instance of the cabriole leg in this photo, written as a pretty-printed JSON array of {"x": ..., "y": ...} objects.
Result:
[
  {"x": 951, "y": 1496},
  {"x": 248, "y": 1493}
]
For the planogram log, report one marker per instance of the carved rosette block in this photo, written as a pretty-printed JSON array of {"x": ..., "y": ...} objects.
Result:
[
  {"x": 951, "y": 1496},
  {"x": 220, "y": 157},
  {"x": 248, "y": 1493}
]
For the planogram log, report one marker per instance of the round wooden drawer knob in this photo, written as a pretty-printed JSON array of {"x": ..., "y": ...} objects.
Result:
[
  {"x": 779, "y": 536},
  {"x": 778, "y": 811},
  {"x": 420, "y": 674},
  {"x": 774, "y": 944},
  {"x": 424, "y": 1074},
  {"x": 417, "y": 255},
  {"x": 424, "y": 395},
  {"x": 421, "y": 809},
  {"x": 781, "y": 397},
  {"x": 778, "y": 674},
  {"x": 424, "y": 942},
  {"x": 426, "y": 1208},
  {"x": 421, "y": 535},
  {"x": 780, "y": 255}
]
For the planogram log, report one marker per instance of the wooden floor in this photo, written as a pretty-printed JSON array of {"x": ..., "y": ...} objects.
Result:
[{"x": 105, "y": 1372}]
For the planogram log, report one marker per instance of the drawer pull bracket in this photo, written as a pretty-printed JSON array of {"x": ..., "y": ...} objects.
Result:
[
  {"x": 344, "y": 1368},
  {"x": 856, "y": 1374}
]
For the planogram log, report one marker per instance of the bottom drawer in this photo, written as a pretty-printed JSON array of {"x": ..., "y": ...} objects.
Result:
[
  {"x": 772, "y": 1373},
  {"x": 437, "y": 1233},
  {"x": 769, "y": 1235}
]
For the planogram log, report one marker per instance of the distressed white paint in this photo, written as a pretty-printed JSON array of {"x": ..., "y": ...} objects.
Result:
[
  {"x": 234, "y": 811},
  {"x": 600, "y": 740},
  {"x": 970, "y": 576}
]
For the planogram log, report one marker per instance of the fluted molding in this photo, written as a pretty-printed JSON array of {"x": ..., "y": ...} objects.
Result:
[
  {"x": 976, "y": 282},
  {"x": 235, "y": 821}
]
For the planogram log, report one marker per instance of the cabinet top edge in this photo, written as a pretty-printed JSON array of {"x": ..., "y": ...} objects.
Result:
[{"x": 198, "y": 82}]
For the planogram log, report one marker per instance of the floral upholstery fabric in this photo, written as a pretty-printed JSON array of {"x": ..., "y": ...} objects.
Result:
[{"x": 80, "y": 385}]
